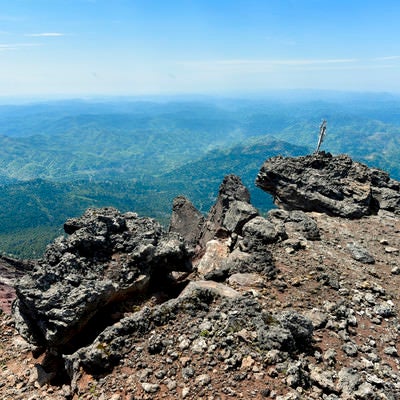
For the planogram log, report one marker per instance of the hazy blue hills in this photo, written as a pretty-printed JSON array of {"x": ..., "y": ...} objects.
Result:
[
  {"x": 133, "y": 140},
  {"x": 199, "y": 180},
  {"x": 58, "y": 158},
  {"x": 33, "y": 212}
]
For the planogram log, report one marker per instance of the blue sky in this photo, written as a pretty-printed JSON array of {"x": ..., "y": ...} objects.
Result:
[{"x": 134, "y": 47}]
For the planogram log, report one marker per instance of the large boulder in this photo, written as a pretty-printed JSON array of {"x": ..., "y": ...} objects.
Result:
[
  {"x": 234, "y": 238},
  {"x": 186, "y": 220},
  {"x": 107, "y": 257},
  {"x": 230, "y": 212},
  {"x": 295, "y": 222},
  {"x": 335, "y": 185}
]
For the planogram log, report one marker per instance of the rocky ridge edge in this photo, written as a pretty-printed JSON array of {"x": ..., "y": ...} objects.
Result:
[
  {"x": 335, "y": 185},
  {"x": 237, "y": 241}
]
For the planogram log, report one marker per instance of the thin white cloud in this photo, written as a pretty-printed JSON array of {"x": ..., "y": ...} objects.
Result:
[
  {"x": 15, "y": 46},
  {"x": 387, "y": 58},
  {"x": 45, "y": 34},
  {"x": 4, "y": 47}
]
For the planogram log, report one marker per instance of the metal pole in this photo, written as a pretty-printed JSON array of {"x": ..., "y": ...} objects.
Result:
[{"x": 322, "y": 131}]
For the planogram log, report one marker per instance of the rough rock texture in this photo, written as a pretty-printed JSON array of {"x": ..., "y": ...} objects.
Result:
[
  {"x": 231, "y": 342},
  {"x": 287, "y": 331},
  {"x": 186, "y": 220},
  {"x": 295, "y": 221},
  {"x": 107, "y": 257},
  {"x": 230, "y": 212},
  {"x": 296, "y": 305},
  {"x": 335, "y": 185},
  {"x": 234, "y": 238}
]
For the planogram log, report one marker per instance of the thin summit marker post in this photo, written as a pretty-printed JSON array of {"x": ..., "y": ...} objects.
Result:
[{"x": 322, "y": 131}]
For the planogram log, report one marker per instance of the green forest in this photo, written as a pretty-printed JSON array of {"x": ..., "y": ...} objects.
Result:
[{"x": 59, "y": 158}]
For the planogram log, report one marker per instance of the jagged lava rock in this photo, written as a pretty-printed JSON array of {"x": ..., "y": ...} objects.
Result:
[
  {"x": 107, "y": 257},
  {"x": 298, "y": 221},
  {"x": 234, "y": 238},
  {"x": 335, "y": 185},
  {"x": 230, "y": 212},
  {"x": 186, "y": 220}
]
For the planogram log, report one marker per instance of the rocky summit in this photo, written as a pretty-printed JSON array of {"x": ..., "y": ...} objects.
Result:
[
  {"x": 336, "y": 186},
  {"x": 300, "y": 303},
  {"x": 106, "y": 258}
]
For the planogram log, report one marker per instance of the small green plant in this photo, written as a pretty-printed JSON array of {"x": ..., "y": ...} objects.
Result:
[
  {"x": 93, "y": 391},
  {"x": 204, "y": 333},
  {"x": 103, "y": 347}
]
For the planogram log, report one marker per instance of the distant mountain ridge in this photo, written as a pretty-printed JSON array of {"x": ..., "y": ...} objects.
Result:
[
  {"x": 28, "y": 207},
  {"x": 127, "y": 140},
  {"x": 299, "y": 303},
  {"x": 58, "y": 158}
]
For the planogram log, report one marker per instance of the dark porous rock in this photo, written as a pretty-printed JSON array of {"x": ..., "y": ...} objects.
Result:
[
  {"x": 300, "y": 327},
  {"x": 360, "y": 254},
  {"x": 233, "y": 318},
  {"x": 297, "y": 221},
  {"x": 109, "y": 346},
  {"x": 287, "y": 331},
  {"x": 186, "y": 220},
  {"x": 251, "y": 254},
  {"x": 108, "y": 257},
  {"x": 335, "y": 185},
  {"x": 260, "y": 231},
  {"x": 237, "y": 215},
  {"x": 259, "y": 261},
  {"x": 275, "y": 337},
  {"x": 230, "y": 212},
  {"x": 305, "y": 225}
]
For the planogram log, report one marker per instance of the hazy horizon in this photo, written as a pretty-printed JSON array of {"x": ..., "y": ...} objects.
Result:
[
  {"x": 296, "y": 96},
  {"x": 89, "y": 48}
]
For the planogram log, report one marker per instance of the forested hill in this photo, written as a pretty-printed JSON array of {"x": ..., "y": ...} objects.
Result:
[
  {"x": 58, "y": 158},
  {"x": 131, "y": 139},
  {"x": 33, "y": 212}
]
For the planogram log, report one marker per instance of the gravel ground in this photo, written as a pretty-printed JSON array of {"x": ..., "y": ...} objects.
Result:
[{"x": 214, "y": 351}]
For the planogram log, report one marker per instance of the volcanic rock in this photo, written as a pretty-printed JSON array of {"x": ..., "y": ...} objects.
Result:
[
  {"x": 335, "y": 185},
  {"x": 285, "y": 306},
  {"x": 295, "y": 221},
  {"x": 228, "y": 313},
  {"x": 234, "y": 238},
  {"x": 230, "y": 212},
  {"x": 186, "y": 220},
  {"x": 360, "y": 254},
  {"x": 108, "y": 257}
]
